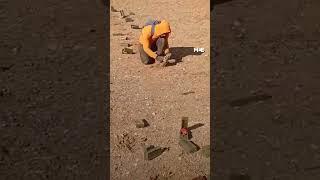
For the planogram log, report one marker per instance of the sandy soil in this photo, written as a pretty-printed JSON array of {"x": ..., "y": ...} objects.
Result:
[
  {"x": 49, "y": 90},
  {"x": 157, "y": 94},
  {"x": 272, "y": 48}
]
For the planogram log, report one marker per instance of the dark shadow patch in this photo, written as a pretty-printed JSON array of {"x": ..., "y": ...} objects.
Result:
[
  {"x": 127, "y": 19},
  {"x": 189, "y": 92},
  {"x": 216, "y": 2},
  {"x": 193, "y": 127},
  {"x": 6, "y": 68},
  {"x": 250, "y": 99},
  {"x": 180, "y": 52},
  {"x": 236, "y": 176}
]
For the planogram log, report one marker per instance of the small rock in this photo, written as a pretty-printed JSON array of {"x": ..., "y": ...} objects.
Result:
[
  {"x": 92, "y": 48},
  {"x": 77, "y": 47},
  {"x": 243, "y": 30},
  {"x": 239, "y": 133},
  {"x": 153, "y": 113},
  {"x": 236, "y": 23},
  {"x": 4, "y": 124},
  {"x": 244, "y": 156},
  {"x": 314, "y": 147},
  {"x": 65, "y": 131},
  {"x": 15, "y": 51},
  {"x": 5, "y": 92},
  {"x": 141, "y": 123},
  {"x": 52, "y": 46}
]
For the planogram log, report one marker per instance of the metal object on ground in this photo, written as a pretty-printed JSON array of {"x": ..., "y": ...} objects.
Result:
[
  {"x": 126, "y": 44},
  {"x": 113, "y": 9},
  {"x": 122, "y": 13},
  {"x": 118, "y": 34},
  {"x": 184, "y": 131},
  {"x": 184, "y": 140},
  {"x": 141, "y": 123},
  {"x": 129, "y": 19},
  {"x": 188, "y": 146},
  {"x": 127, "y": 51},
  {"x": 151, "y": 152},
  {"x": 135, "y": 27}
]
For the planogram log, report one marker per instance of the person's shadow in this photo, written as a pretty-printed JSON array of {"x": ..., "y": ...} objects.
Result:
[{"x": 180, "y": 52}]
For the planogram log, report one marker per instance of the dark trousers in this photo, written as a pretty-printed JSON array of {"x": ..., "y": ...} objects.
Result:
[{"x": 158, "y": 46}]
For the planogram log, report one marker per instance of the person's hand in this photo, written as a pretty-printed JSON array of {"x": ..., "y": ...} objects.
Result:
[
  {"x": 168, "y": 55},
  {"x": 159, "y": 58}
]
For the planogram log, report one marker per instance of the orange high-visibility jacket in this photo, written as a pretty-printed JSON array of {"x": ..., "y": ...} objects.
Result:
[{"x": 146, "y": 40}]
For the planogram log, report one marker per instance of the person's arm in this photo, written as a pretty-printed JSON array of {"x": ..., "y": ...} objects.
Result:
[{"x": 146, "y": 47}]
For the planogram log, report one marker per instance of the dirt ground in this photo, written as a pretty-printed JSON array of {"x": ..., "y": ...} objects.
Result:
[
  {"x": 162, "y": 96},
  {"x": 50, "y": 90},
  {"x": 267, "y": 89}
]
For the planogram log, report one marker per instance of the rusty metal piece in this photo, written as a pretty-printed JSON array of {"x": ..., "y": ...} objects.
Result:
[
  {"x": 141, "y": 123},
  {"x": 127, "y": 51},
  {"x": 129, "y": 19},
  {"x": 184, "y": 122},
  {"x": 184, "y": 131},
  {"x": 135, "y": 27},
  {"x": 113, "y": 9},
  {"x": 188, "y": 146},
  {"x": 118, "y": 34},
  {"x": 151, "y": 152},
  {"x": 122, "y": 13}
]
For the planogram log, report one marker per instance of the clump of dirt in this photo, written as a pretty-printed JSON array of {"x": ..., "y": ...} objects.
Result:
[{"x": 126, "y": 141}]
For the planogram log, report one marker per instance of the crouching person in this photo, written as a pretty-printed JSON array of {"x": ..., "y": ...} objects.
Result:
[{"x": 153, "y": 42}]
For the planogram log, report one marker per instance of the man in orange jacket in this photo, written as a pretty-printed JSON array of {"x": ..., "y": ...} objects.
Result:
[{"x": 153, "y": 40}]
